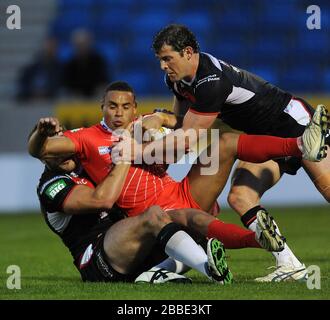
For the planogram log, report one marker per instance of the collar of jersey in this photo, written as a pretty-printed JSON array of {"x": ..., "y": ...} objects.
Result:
[
  {"x": 190, "y": 82},
  {"x": 105, "y": 126}
]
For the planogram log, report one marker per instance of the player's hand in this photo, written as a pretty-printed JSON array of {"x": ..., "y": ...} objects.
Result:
[
  {"x": 126, "y": 150},
  {"x": 49, "y": 126},
  {"x": 153, "y": 121}
]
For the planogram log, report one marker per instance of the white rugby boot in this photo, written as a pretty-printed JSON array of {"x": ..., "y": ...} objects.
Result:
[
  {"x": 312, "y": 142},
  {"x": 286, "y": 273},
  {"x": 158, "y": 276}
]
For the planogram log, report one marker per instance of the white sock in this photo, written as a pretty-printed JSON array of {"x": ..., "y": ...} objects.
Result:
[
  {"x": 284, "y": 257},
  {"x": 173, "y": 265},
  {"x": 183, "y": 248},
  {"x": 253, "y": 225}
]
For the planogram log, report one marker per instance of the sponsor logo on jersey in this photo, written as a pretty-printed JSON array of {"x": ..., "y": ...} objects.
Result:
[
  {"x": 55, "y": 188},
  {"x": 212, "y": 77},
  {"x": 104, "y": 150}
]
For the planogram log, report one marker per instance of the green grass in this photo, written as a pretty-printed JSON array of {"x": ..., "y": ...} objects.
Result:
[{"x": 47, "y": 271}]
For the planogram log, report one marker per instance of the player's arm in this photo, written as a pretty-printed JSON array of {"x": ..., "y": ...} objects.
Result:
[
  {"x": 180, "y": 106},
  {"x": 161, "y": 118},
  {"x": 45, "y": 143},
  {"x": 83, "y": 199}
]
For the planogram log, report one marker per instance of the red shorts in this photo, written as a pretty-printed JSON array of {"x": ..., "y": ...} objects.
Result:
[{"x": 177, "y": 196}]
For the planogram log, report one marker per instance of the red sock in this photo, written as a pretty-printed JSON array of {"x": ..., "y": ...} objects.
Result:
[
  {"x": 231, "y": 235},
  {"x": 257, "y": 149}
]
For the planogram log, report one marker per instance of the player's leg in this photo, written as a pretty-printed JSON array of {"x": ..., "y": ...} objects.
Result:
[
  {"x": 319, "y": 173},
  {"x": 252, "y": 148},
  {"x": 127, "y": 242},
  {"x": 249, "y": 183},
  {"x": 205, "y": 188},
  {"x": 231, "y": 235}
]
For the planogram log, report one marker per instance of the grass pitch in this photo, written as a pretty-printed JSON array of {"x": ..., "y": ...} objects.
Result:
[{"x": 47, "y": 271}]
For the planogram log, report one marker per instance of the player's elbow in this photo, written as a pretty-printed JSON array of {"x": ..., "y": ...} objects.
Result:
[
  {"x": 33, "y": 152},
  {"x": 37, "y": 152}
]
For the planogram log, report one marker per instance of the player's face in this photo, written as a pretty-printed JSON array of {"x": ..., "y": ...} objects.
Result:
[
  {"x": 119, "y": 109},
  {"x": 175, "y": 64}
]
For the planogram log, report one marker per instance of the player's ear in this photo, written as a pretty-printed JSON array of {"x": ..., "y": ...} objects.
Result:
[{"x": 188, "y": 51}]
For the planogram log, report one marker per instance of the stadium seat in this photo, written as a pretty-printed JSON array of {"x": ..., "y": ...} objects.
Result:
[
  {"x": 232, "y": 20},
  {"x": 167, "y": 6},
  {"x": 138, "y": 53},
  {"x": 201, "y": 23},
  {"x": 109, "y": 50},
  {"x": 326, "y": 80},
  {"x": 314, "y": 44},
  {"x": 267, "y": 72},
  {"x": 148, "y": 23},
  {"x": 266, "y": 51},
  {"x": 105, "y": 5},
  {"x": 68, "y": 21},
  {"x": 232, "y": 52},
  {"x": 138, "y": 79},
  {"x": 279, "y": 16},
  {"x": 106, "y": 26},
  {"x": 67, "y": 5},
  {"x": 301, "y": 79},
  {"x": 65, "y": 51}
]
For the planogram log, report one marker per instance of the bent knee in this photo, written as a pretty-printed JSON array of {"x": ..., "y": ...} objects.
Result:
[{"x": 155, "y": 217}]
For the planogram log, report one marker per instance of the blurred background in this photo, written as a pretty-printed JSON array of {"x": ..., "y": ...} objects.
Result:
[{"x": 66, "y": 51}]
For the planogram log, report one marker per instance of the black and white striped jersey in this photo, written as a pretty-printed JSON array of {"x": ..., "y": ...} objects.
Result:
[
  {"x": 74, "y": 230},
  {"x": 241, "y": 99}
]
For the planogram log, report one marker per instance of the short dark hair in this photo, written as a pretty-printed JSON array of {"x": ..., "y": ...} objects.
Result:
[
  {"x": 117, "y": 86},
  {"x": 176, "y": 35}
]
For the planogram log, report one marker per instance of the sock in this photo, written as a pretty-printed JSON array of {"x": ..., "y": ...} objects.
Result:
[
  {"x": 173, "y": 265},
  {"x": 284, "y": 257},
  {"x": 258, "y": 149},
  {"x": 249, "y": 218},
  {"x": 180, "y": 246},
  {"x": 231, "y": 235}
]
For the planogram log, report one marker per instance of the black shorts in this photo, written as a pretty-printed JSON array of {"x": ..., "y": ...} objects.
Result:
[
  {"x": 90, "y": 258},
  {"x": 287, "y": 126},
  {"x": 94, "y": 267}
]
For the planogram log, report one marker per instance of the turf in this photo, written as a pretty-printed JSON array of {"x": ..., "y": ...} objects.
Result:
[{"x": 47, "y": 271}]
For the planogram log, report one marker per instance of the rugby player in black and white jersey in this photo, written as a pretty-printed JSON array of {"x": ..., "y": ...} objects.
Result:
[{"x": 206, "y": 88}]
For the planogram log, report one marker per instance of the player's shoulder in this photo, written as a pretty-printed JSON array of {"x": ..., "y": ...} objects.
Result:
[
  {"x": 51, "y": 179},
  {"x": 209, "y": 72}
]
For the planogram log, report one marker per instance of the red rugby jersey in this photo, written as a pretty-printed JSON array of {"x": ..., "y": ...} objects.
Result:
[{"x": 143, "y": 183}]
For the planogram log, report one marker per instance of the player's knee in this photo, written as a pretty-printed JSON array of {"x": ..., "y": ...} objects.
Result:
[{"x": 155, "y": 218}]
